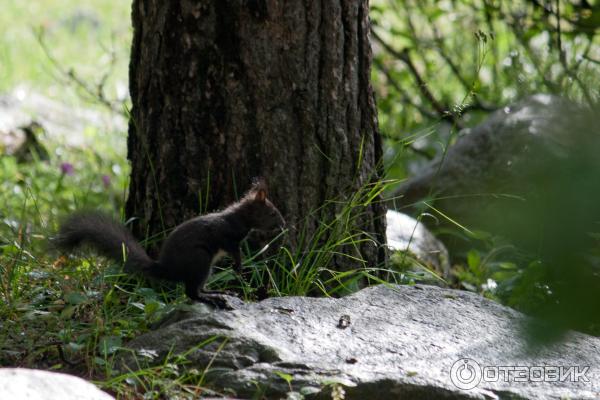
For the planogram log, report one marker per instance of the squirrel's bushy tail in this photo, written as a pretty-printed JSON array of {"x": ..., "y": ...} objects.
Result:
[{"x": 108, "y": 237}]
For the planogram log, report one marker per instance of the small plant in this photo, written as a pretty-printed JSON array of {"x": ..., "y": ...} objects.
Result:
[{"x": 171, "y": 377}]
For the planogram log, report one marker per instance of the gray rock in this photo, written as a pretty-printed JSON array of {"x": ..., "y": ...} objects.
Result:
[
  {"x": 31, "y": 384},
  {"x": 513, "y": 153},
  {"x": 526, "y": 178},
  {"x": 407, "y": 235},
  {"x": 384, "y": 342}
]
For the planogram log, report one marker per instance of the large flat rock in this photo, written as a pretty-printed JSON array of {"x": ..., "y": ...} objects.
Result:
[{"x": 384, "y": 342}]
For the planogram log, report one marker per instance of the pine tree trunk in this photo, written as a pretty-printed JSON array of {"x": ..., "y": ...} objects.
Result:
[{"x": 226, "y": 90}]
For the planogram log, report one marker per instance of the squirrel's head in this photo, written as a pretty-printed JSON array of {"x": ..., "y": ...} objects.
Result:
[{"x": 261, "y": 212}]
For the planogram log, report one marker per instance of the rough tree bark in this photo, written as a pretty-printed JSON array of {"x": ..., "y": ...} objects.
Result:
[{"x": 226, "y": 90}]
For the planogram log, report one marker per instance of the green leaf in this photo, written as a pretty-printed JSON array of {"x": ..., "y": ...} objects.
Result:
[
  {"x": 99, "y": 361},
  {"x": 75, "y": 298},
  {"x": 474, "y": 261},
  {"x": 338, "y": 381},
  {"x": 109, "y": 345},
  {"x": 75, "y": 346},
  {"x": 286, "y": 377},
  {"x": 10, "y": 249},
  {"x": 309, "y": 390},
  {"x": 67, "y": 312},
  {"x": 151, "y": 307},
  {"x": 147, "y": 293}
]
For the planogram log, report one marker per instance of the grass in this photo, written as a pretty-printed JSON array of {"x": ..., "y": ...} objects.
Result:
[
  {"x": 58, "y": 314},
  {"x": 73, "y": 315}
]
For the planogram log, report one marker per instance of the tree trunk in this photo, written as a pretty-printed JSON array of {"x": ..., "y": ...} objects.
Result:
[{"x": 227, "y": 90}]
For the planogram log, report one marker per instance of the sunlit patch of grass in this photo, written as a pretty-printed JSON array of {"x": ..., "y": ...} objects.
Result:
[
  {"x": 50, "y": 307},
  {"x": 80, "y": 35}
]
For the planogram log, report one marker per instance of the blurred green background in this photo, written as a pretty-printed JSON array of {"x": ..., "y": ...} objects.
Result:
[{"x": 82, "y": 35}]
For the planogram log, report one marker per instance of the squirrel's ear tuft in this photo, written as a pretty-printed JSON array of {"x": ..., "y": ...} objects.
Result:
[
  {"x": 259, "y": 183},
  {"x": 261, "y": 195},
  {"x": 259, "y": 188}
]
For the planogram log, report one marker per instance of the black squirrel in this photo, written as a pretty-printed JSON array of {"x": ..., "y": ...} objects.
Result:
[{"x": 189, "y": 252}]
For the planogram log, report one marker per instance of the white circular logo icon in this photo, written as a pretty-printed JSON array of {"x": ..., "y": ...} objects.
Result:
[{"x": 465, "y": 374}]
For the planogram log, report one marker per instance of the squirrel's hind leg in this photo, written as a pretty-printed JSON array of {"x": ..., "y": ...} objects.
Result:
[
  {"x": 194, "y": 289},
  {"x": 191, "y": 290}
]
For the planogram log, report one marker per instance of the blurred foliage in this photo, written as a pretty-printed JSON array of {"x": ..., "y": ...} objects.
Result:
[
  {"x": 443, "y": 65},
  {"x": 440, "y": 65},
  {"x": 90, "y": 38}
]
